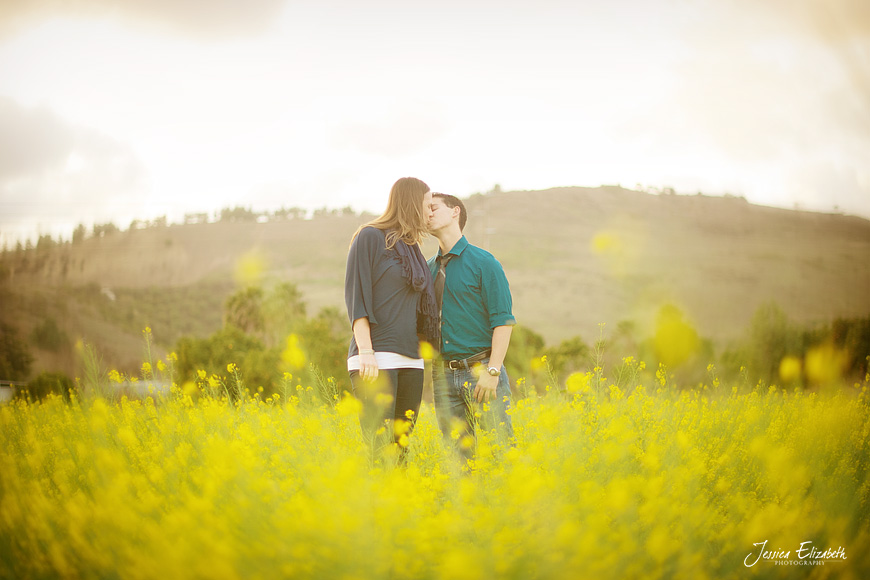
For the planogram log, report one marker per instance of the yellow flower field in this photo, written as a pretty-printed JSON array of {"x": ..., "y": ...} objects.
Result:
[{"x": 646, "y": 483}]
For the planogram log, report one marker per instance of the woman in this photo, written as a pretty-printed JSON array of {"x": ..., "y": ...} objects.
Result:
[{"x": 390, "y": 300}]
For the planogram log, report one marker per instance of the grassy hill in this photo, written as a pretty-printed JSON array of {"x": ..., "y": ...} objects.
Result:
[{"x": 575, "y": 257}]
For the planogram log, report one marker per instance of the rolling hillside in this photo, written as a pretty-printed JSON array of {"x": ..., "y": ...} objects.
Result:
[{"x": 575, "y": 257}]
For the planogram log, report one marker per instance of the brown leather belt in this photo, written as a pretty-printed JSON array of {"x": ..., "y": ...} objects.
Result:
[{"x": 457, "y": 364}]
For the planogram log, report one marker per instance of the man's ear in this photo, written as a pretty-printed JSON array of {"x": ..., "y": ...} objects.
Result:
[{"x": 457, "y": 212}]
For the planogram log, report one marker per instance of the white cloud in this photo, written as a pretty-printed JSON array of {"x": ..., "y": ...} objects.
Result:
[
  {"x": 202, "y": 18},
  {"x": 31, "y": 140},
  {"x": 54, "y": 175}
]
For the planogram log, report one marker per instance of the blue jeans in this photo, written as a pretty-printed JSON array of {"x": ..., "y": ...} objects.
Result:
[{"x": 456, "y": 408}]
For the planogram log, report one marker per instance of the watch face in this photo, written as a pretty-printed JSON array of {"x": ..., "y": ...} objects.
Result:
[{"x": 494, "y": 371}]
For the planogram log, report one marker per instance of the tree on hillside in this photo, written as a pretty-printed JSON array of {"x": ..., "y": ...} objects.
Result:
[
  {"x": 266, "y": 334},
  {"x": 15, "y": 358},
  {"x": 22, "y": 255},
  {"x": 854, "y": 336},
  {"x": 195, "y": 218},
  {"x": 238, "y": 214},
  {"x": 102, "y": 230},
  {"x": 79, "y": 233},
  {"x": 324, "y": 340},
  {"x": 45, "y": 243},
  {"x": 283, "y": 311},
  {"x": 526, "y": 345},
  {"x": 289, "y": 213},
  {"x": 325, "y": 212},
  {"x": 244, "y": 310},
  {"x": 571, "y": 355},
  {"x": 258, "y": 365},
  {"x": 47, "y": 335},
  {"x": 771, "y": 337}
]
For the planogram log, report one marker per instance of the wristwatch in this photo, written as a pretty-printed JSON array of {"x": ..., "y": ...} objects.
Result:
[{"x": 494, "y": 372}]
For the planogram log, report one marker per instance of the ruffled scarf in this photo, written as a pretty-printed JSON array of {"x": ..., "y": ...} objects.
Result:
[{"x": 416, "y": 272}]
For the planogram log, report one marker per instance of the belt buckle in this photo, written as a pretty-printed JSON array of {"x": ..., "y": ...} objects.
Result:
[{"x": 457, "y": 367}]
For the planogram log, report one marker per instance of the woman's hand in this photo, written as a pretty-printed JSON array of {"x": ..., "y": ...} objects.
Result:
[
  {"x": 362, "y": 333},
  {"x": 368, "y": 366}
]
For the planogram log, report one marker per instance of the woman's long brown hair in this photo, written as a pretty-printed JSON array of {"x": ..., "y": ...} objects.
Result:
[{"x": 403, "y": 219}]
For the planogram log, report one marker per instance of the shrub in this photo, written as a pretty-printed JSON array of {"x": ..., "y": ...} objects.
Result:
[
  {"x": 45, "y": 384},
  {"x": 48, "y": 336},
  {"x": 15, "y": 357}
]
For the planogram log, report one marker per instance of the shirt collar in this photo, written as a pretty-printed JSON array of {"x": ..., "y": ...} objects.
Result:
[{"x": 457, "y": 248}]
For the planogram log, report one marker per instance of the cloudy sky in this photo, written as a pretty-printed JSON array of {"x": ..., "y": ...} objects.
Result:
[{"x": 111, "y": 111}]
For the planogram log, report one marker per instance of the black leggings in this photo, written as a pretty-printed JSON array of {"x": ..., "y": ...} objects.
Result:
[{"x": 394, "y": 396}]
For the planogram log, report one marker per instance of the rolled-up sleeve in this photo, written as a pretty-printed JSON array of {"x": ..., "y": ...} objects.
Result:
[
  {"x": 497, "y": 294},
  {"x": 358, "y": 276}
]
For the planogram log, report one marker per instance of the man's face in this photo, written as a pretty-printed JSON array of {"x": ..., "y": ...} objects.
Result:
[
  {"x": 427, "y": 202},
  {"x": 440, "y": 215}
]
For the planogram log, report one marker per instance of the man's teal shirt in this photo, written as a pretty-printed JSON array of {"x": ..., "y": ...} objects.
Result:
[{"x": 477, "y": 298}]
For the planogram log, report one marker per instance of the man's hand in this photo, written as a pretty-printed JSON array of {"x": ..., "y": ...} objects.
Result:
[{"x": 484, "y": 391}]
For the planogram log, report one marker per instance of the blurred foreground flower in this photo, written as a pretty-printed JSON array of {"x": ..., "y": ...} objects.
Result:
[
  {"x": 790, "y": 369},
  {"x": 825, "y": 364},
  {"x": 293, "y": 356},
  {"x": 578, "y": 382},
  {"x": 250, "y": 268},
  {"x": 426, "y": 350},
  {"x": 675, "y": 339}
]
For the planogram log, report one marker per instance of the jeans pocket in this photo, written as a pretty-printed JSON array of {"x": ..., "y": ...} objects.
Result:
[{"x": 462, "y": 384}]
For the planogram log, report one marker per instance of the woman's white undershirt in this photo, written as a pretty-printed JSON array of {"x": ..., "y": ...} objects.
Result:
[{"x": 388, "y": 360}]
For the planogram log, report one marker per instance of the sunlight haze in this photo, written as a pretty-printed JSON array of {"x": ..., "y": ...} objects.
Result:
[{"x": 119, "y": 112}]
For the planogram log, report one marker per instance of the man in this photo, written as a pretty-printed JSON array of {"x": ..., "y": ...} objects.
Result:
[{"x": 470, "y": 383}]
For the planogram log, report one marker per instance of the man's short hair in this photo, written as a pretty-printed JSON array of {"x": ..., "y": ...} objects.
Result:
[{"x": 452, "y": 201}]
